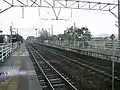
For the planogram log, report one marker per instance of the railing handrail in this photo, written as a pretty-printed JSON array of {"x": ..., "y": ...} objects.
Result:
[
  {"x": 107, "y": 44},
  {"x": 6, "y": 49}
]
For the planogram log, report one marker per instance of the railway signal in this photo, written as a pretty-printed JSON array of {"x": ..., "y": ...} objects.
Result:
[{"x": 112, "y": 37}]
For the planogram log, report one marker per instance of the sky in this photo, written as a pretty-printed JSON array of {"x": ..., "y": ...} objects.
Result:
[{"x": 98, "y": 22}]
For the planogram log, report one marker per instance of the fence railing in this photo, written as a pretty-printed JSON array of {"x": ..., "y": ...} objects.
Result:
[
  {"x": 90, "y": 48},
  {"x": 106, "y": 45},
  {"x": 6, "y": 50}
]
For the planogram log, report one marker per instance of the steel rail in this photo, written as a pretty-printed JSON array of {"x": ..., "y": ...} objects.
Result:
[
  {"x": 41, "y": 69},
  {"x": 87, "y": 62},
  {"x": 62, "y": 77},
  {"x": 82, "y": 64},
  {"x": 92, "y": 68}
]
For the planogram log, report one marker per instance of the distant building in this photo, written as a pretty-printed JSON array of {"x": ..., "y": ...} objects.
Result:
[
  {"x": 7, "y": 38},
  {"x": 4, "y": 38}
]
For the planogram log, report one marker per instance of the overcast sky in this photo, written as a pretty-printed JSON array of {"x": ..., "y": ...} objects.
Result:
[{"x": 98, "y": 22}]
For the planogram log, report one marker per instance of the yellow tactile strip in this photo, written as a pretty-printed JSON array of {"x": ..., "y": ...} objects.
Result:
[{"x": 11, "y": 83}]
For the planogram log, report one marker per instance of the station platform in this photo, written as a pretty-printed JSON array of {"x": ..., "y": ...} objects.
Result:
[
  {"x": 108, "y": 52},
  {"x": 17, "y": 72}
]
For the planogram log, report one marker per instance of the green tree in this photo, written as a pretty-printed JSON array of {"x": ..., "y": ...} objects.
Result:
[
  {"x": 77, "y": 33},
  {"x": 83, "y": 34},
  {"x": 44, "y": 35}
]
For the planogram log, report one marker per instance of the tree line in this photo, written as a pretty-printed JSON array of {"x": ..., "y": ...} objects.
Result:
[{"x": 72, "y": 33}]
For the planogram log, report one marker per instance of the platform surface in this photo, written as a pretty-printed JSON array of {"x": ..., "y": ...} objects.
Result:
[
  {"x": 17, "y": 72},
  {"x": 102, "y": 51}
]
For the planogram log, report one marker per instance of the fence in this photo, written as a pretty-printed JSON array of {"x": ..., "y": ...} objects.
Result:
[
  {"x": 6, "y": 50},
  {"x": 106, "y": 45},
  {"x": 100, "y": 49}
]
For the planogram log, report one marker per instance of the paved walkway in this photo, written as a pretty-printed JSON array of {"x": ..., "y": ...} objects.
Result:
[{"x": 17, "y": 72}]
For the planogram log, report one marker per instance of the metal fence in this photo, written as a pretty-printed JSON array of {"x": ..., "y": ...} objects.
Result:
[
  {"x": 100, "y": 49},
  {"x": 6, "y": 50},
  {"x": 104, "y": 45}
]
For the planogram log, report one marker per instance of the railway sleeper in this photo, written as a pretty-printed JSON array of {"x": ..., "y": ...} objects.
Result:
[
  {"x": 45, "y": 86},
  {"x": 49, "y": 75},
  {"x": 47, "y": 69},
  {"x": 54, "y": 79},
  {"x": 40, "y": 78},
  {"x": 43, "y": 83},
  {"x": 59, "y": 85}
]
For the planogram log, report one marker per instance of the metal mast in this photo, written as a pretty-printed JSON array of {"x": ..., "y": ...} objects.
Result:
[
  {"x": 118, "y": 19},
  {"x": 69, "y": 4}
]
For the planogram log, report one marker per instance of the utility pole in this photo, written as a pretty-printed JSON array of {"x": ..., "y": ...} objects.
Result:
[
  {"x": 36, "y": 32},
  {"x": 118, "y": 19},
  {"x": 74, "y": 33},
  {"x": 51, "y": 29},
  {"x": 11, "y": 36},
  {"x": 17, "y": 30},
  {"x": 113, "y": 63}
]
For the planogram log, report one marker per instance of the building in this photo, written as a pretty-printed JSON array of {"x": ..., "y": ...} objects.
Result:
[{"x": 7, "y": 38}]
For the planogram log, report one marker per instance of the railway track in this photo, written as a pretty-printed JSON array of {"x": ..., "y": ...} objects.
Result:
[
  {"x": 100, "y": 69},
  {"x": 48, "y": 76},
  {"x": 97, "y": 68}
]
